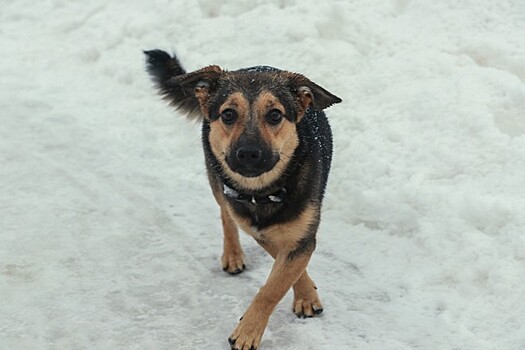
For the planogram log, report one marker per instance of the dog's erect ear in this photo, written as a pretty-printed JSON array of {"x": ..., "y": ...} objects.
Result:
[
  {"x": 187, "y": 92},
  {"x": 310, "y": 94}
]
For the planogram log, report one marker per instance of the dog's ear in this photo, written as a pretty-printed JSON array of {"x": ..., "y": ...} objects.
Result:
[
  {"x": 310, "y": 94},
  {"x": 187, "y": 92},
  {"x": 200, "y": 84}
]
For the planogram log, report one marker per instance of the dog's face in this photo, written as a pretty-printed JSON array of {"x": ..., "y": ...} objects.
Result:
[
  {"x": 252, "y": 114},
  {"x": 253, "y": 117},
  {"x": 252, "y": 124},
  {"x": 251, "y": 134}
]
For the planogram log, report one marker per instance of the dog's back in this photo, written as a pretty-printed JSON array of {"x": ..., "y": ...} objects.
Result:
[{"x": 318, "y": 134}]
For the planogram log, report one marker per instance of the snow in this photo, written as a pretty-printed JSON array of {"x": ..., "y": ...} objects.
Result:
[{"x": 110, "y": 237}]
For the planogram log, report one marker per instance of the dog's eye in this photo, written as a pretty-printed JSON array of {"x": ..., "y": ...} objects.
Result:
[
  {"x": 274, "y": 117},
  {"x": 229, "y": 116}
]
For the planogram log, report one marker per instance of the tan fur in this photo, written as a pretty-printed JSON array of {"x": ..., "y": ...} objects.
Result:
[
  {"x": 222, "y": 136},
  {"x": 284, "y": 274},
  {"x": 240, "y": 104},
  {"x": 232, "y": 259},
  {"x": 282, "y": 236},
  {"x": 233, "y": 256},
  {"x": 279, "y": 240},
  {"x": 282, "y": 138},
  {"x": 265, "y": 102},
  {"x": 202, "y": 92},
  {"x": 305, "y": 99},
  {"x": 306, "y": 300},
  {"x": 285, "y": 236}
]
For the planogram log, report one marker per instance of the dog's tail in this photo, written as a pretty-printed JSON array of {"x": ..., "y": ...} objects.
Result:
[{"x": 164, "y": 70}]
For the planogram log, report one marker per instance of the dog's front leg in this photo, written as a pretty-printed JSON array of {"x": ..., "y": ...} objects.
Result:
[
  {"x": 285, "y": 272},
  {"x": 306, "y": 301},
  {"x": 232, "y": 257}
]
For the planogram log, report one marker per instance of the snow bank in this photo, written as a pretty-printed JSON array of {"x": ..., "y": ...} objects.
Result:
[{"x": 110, "y": 237}]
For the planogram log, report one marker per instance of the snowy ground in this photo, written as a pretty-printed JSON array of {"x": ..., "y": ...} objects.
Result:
[{"x": 110, "y": 238}]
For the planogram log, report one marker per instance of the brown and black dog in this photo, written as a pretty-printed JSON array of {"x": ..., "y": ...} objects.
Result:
[{"x": 268, "y": 149}]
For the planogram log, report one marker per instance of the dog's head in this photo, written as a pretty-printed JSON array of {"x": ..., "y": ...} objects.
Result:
[{"x": 252, "y": 112}]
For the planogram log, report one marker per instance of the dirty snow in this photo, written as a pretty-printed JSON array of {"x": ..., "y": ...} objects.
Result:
[{"x": 110, "y": 238}]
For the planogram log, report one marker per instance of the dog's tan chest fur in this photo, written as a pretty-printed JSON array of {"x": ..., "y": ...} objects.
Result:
[{"x": 286, "y": 235}]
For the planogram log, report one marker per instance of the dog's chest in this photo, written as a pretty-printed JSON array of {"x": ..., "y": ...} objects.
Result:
[
  {"x": 254, "y": 219},
  {"x": 283, "y": 234},
  {"x": 248, "y": 225}
]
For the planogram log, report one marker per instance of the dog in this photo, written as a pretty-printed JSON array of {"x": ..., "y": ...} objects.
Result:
[{"x": 268, "y": 151}]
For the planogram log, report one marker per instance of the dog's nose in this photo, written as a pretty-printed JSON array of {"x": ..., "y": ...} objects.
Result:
[{"x": 249, "y": 155}]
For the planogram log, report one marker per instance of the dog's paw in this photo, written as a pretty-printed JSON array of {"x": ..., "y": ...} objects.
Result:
[
  {"x": 248, "y": 333},
  {"x": 307, "y": 305},
  {"x": 233, "y": 263}
]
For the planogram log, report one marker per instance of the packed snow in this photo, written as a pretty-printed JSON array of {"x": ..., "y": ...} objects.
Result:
[{"x": 110, "y": 237}]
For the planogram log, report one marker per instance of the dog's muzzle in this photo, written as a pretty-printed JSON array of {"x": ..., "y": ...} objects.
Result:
[{"x": 251, "y": 160}]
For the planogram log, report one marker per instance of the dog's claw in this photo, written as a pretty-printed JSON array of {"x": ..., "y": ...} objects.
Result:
[
  {"x": 232, "y": 343},
  {"x": 234, "y": 272},
  {"x": 307, "y": 312},
  {"x": 233, "y": 263},
  {"x": 317, "y": 311}
]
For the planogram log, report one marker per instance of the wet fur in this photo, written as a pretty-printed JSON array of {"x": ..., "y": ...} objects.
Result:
[{"x": 285, "y": 229}]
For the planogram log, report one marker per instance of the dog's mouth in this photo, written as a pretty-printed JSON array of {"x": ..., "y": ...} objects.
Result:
[{"x": 251, "y": 166}]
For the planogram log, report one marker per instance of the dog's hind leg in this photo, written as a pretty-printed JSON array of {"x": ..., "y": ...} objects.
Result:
[
  {"x": 306, "y": 302},
  {"x": 233, "y": 256}
]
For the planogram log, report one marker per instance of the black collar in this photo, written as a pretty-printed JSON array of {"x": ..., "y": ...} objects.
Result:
[{"x": 276, "y": 197}]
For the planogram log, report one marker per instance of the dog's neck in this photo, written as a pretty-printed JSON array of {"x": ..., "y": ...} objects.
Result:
[
  {"x": 272, "y": 194},
  {"x": 276, "y": 197}
]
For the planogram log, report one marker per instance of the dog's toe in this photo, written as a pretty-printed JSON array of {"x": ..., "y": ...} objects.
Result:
[
  {"x": 247, "y": 335},
  {"x": 233, "y": 263},
  {"x": 304, "y": 308}
]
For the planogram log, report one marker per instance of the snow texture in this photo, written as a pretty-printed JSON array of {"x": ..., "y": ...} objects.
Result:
[{"x": 110, "y": 237}]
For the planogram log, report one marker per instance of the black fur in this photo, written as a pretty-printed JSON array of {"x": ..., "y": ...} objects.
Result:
[
  {"x": 163, "y": 70},
  {"x": 161, "y": 66}
]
